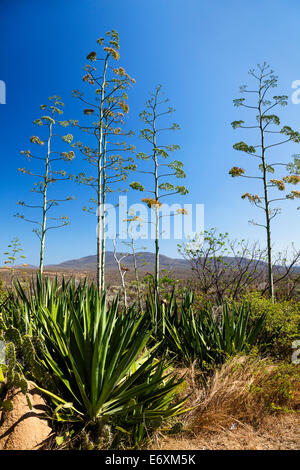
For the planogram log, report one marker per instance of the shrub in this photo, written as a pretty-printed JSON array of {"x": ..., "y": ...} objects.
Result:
[{"x": 281, "y": 326}]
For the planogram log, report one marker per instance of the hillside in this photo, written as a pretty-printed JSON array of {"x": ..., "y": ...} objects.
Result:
[{"x": 144, "y": 259}]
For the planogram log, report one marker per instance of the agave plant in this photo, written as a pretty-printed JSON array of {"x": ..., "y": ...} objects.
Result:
[
  {"x": 99, "y": 362},
  {"x": 26, "y": 299},
  {"x": 162, "y": 311},
  {"x": 235, "y": 333},
  {"x": 199, "y": 336},
  {"x": 98, "y": 359}
]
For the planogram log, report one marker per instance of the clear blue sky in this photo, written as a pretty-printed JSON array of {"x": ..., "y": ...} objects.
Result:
[{"x": 200, "y": 51}]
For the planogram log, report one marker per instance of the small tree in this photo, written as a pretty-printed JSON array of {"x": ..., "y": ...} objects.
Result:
[
  {"x": 107, "y": 108},
  {"x": 287, "y": 272},
  {"x": 48, "y": 174},
  {"x": 13, "y": 253},
  {"x": 266, "y": 125},
  {"x": 159, "y": 170},
  {"x": 224, "y": 267}
]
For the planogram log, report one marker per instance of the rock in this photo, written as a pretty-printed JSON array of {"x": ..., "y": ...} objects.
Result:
[{"x": 23, "y": 428}]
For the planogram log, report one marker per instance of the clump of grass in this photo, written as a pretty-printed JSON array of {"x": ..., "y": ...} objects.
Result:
[{"x": 247, "y": 389}]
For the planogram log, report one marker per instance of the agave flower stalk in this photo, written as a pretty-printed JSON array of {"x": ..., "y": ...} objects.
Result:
[
  {"x": 49, "y": 176},
  {"x": 108, "y": 157}
]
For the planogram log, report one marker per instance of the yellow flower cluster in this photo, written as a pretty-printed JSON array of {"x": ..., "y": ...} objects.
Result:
[
  {"x": 121, "y": 71},
  {"x": 279, "y": 183},
  {"x": 113, "y": 52},
  {"x": 251, "y": 197},
  {"x": 236, "y": 171},
  {"x": 151, "y": 202},
  {"x": 124, "y": 106},
  {"x": 292, "y": 179}
]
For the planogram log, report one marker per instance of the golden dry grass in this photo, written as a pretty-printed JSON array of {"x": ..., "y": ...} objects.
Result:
[
  {"x": 277, "y": 432},
  {"x": 248, "y": 404}
]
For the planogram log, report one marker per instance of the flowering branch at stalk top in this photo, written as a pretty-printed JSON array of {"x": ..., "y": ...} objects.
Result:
[
  {"x": 251, "y": 197},
  {"x": 106, "y": 105},
  {"x": 236, "y": 171},
  {"x": 151, "y": 202}
]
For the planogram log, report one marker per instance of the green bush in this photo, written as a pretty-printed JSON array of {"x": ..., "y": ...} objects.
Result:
[
  {"x": 278, "y": 388},
  {"x": 281, "y": 326}
]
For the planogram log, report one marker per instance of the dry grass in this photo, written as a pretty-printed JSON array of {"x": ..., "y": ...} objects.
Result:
[
  {"x": 245, "y": 390},
  {"x": 276, "y": 432},
  {"x": 249, "y": 403}
]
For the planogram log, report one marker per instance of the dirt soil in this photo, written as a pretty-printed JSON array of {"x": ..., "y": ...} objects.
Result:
[{"x": 23, "y": 428}]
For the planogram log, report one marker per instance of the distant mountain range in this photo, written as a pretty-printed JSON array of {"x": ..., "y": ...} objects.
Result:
[{"x": 145, "y": 261}]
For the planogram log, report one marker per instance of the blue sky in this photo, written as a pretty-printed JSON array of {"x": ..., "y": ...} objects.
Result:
[{"x": 199, "y": 51}]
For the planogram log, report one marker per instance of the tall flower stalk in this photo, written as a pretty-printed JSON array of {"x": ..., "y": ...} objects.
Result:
[
  {"x": 107, "y": 157},
  {"x": 47, "y": 173},
  {"x": 159, "y": 170},
  {"x": 267, "y": 126}
]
